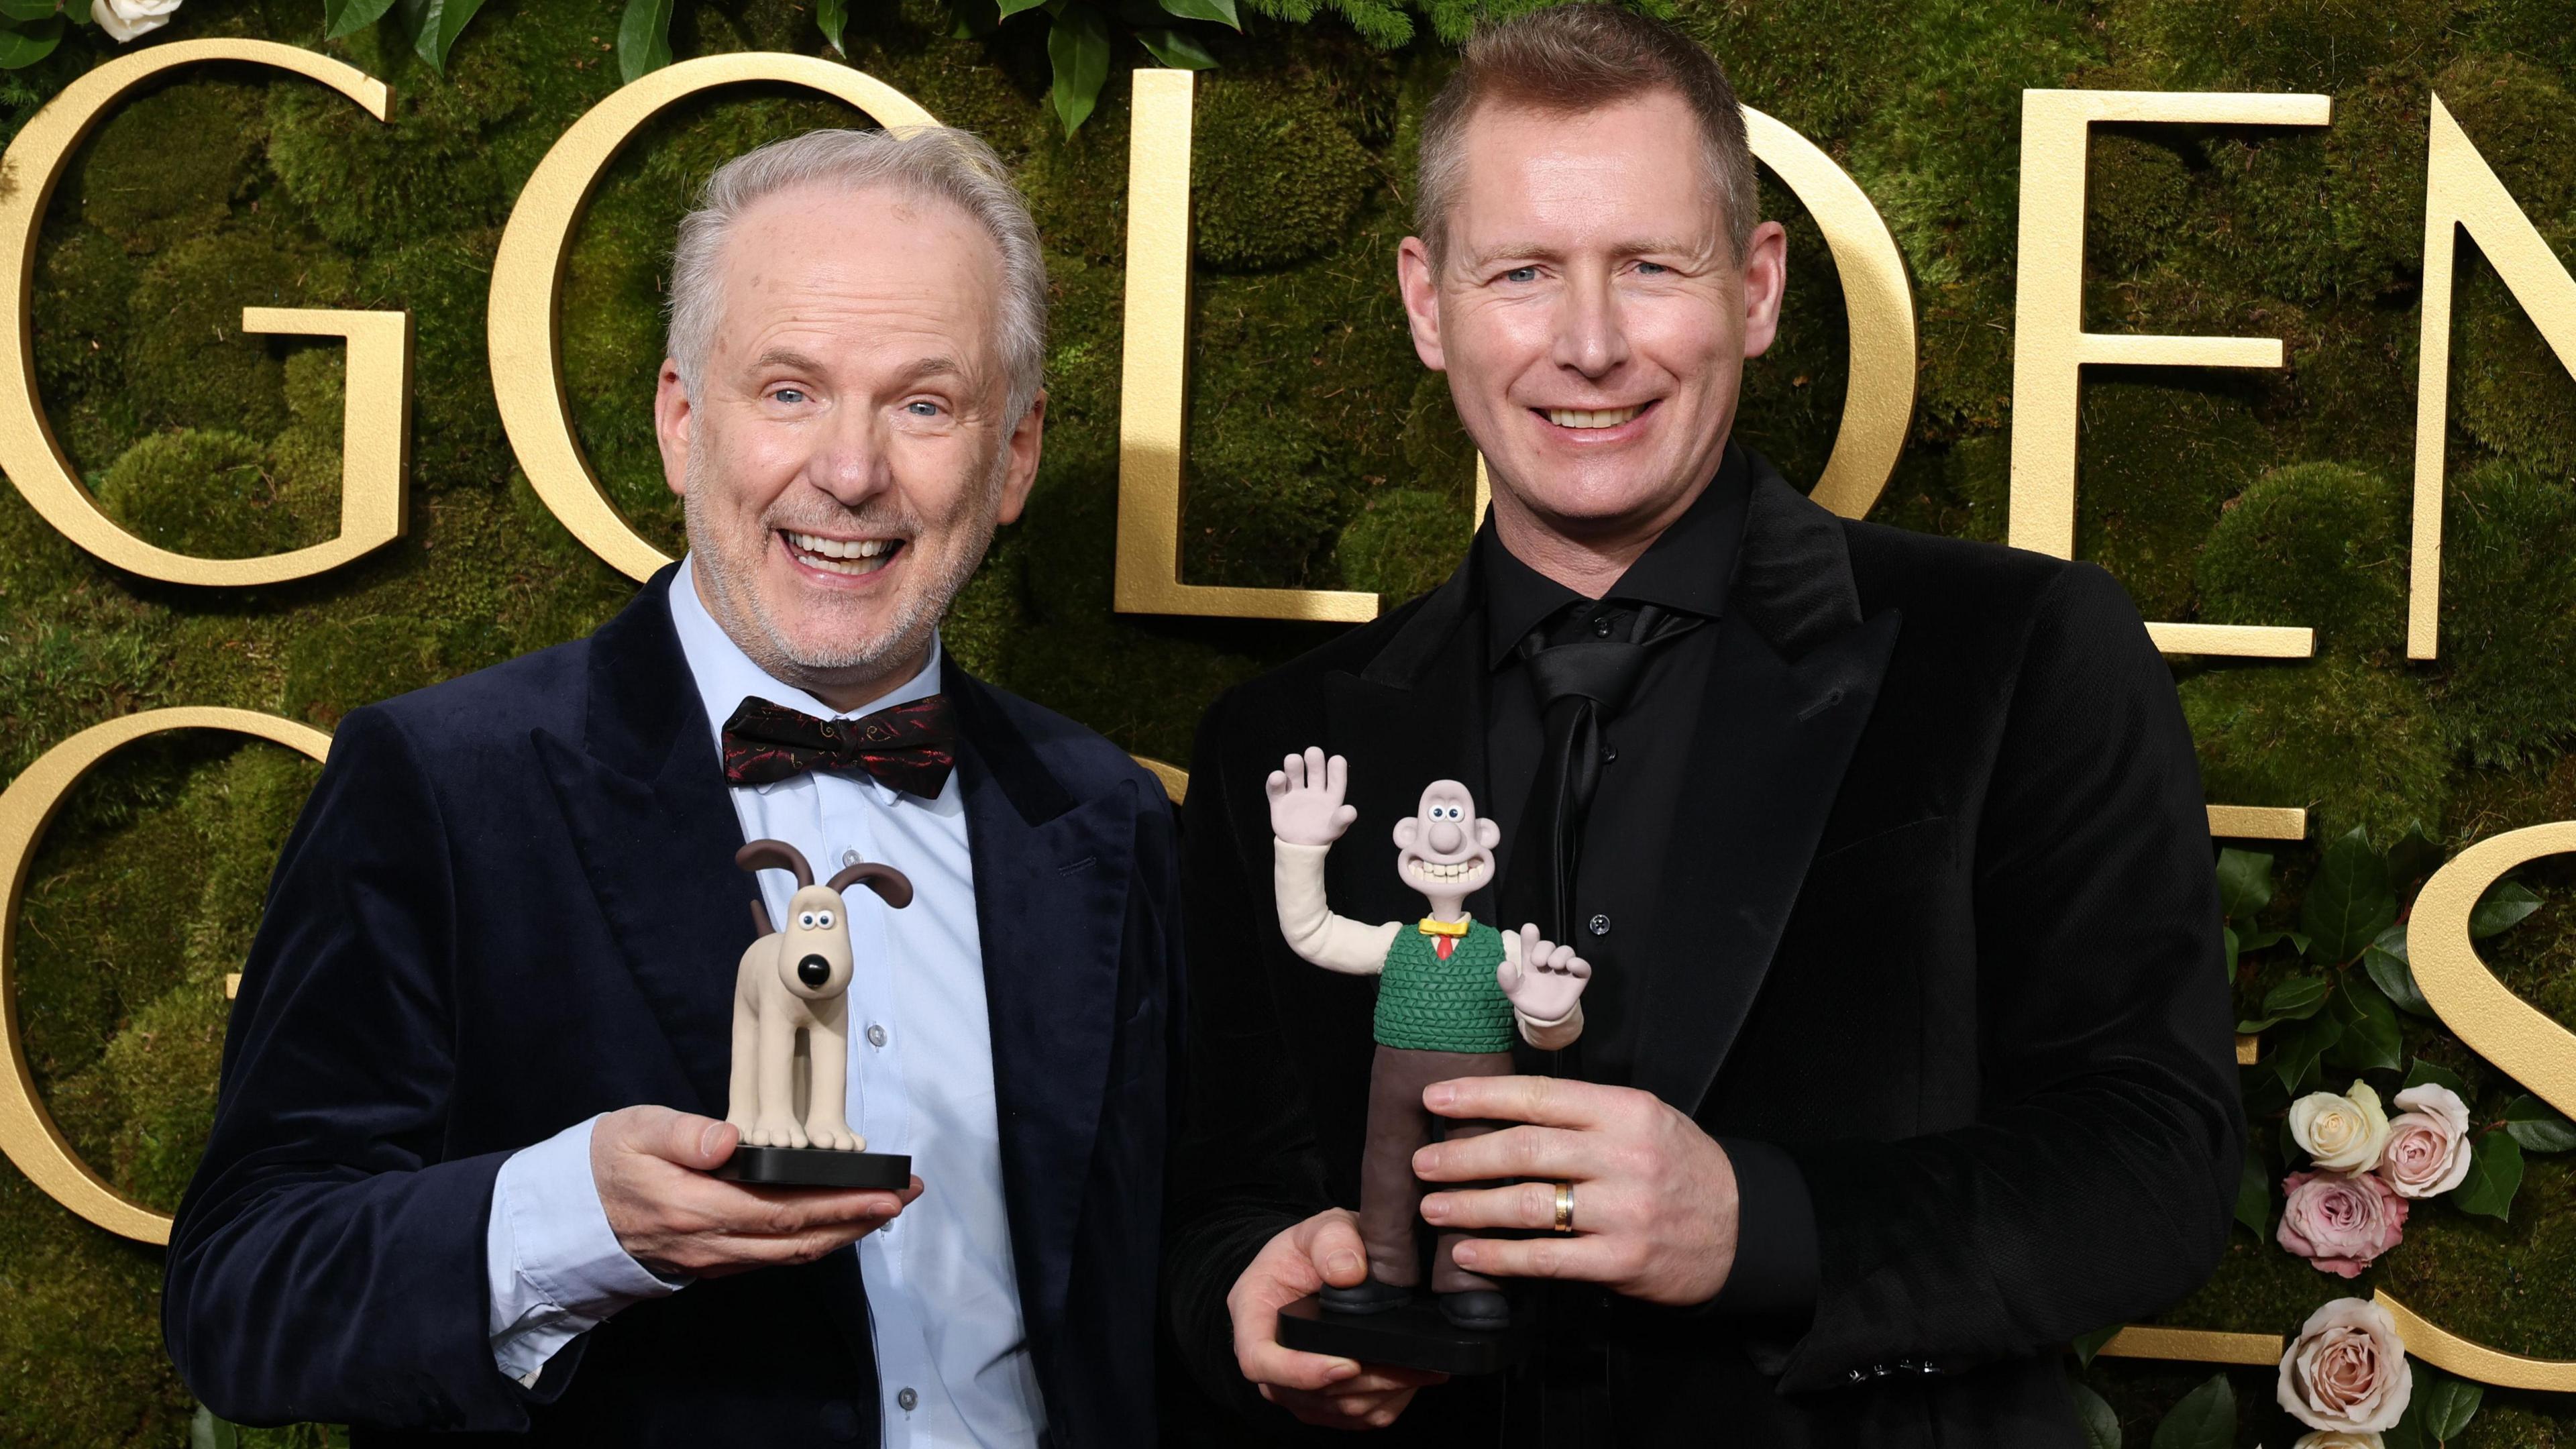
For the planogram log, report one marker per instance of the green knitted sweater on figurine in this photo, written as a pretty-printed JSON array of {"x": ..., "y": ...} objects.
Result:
[{"x": 1426, "y": 1004}]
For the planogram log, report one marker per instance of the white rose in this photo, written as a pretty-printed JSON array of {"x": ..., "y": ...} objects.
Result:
[
  {"x": 131, "y": 19},
  {"x": 2347, "y": 1373},
  {"x": 2343, "y": 1134},
  {"x": 2337, "y": 1440}
]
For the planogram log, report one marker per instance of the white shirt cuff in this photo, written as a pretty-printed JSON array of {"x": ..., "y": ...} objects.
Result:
[{"x": 555, "y": 1266}]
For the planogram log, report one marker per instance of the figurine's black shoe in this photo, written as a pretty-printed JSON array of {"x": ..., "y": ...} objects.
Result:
[
  {"x": 1369, "y": 1296},
  {"x": 1480, "y": 1308}
]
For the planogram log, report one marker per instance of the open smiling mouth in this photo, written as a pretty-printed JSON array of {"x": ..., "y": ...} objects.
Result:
[
  {"x": 1451, "y": 870},
  {"x": 1593, "y": 419},
  {"x": 842, "y": 555}
]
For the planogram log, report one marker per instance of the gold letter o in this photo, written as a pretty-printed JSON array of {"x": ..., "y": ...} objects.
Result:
[
  {"x": 375, "y": 421},
  {"x": 27, "y": 1132},
  {"x": 527, "y": 275}
]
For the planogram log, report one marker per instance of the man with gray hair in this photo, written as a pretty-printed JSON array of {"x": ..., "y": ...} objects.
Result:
[{"x": 461, "y": 1172}]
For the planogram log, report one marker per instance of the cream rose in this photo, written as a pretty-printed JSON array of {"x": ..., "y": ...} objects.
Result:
[
  {"x": 2346, "y": 1373},
  {"x": 2338, "y": 1440},
  {"x": 131, "y": 19},
  {"x": 2427, "y": 1152},
  {"x": 2342, "y": 1134}
]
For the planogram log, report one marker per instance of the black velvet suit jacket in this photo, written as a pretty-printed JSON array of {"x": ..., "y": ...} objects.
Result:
[
  {"x": 1944, "y": 929},
  {"x": 511, "y": 903}
]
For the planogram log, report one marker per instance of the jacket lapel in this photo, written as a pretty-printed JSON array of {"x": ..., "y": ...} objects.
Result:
[
  {"x": 1797, "y": 675},
  {"x": 1051, "y": 882},
  {"x": 644, "y": 798}
]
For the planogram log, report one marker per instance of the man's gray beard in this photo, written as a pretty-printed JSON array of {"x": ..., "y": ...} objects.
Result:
[{"x": 736, "y": 604}]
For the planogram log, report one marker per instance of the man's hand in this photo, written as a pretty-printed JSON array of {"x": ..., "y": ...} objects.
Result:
[
  {"x": 1655, "y": 1210},
  {"x": 1547, "y": 980},
  {"x": 650, "y": 1165},
  {"x": 1319, "y": 1389},
  {"x": 1306, "y": 799}
]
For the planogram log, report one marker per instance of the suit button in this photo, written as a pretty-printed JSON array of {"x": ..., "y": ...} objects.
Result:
[
  {"x": 907, "y": 1400},
  {"x": 1600, "y": 924},
  {"x": 841, "y": 1419}
]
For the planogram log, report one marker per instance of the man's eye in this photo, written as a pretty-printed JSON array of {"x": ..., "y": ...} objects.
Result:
[
  {"x": 1653, "y": 269},
  {"x": 789, "y": 395},
  {"x": 921, "y": 409},
  {"x": 1521, "y": 274}
]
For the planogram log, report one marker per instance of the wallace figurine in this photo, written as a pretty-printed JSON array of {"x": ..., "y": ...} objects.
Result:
[{"x": 1451, "y": 990}]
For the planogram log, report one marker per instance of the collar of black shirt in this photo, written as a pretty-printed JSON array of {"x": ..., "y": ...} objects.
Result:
[{"x": 1686, "y": 568}]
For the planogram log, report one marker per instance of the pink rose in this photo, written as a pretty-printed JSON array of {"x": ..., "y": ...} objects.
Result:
[
  {"x": 2347, "y": 1372},
  {"x": 2340, "y": 1221},
  {"x": 2428, "y": 1144}
]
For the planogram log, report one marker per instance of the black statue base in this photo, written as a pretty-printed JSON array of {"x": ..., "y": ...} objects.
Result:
[
  {"x": 1411, "y": 1335},
  {"x": 817, "y": 1167}
]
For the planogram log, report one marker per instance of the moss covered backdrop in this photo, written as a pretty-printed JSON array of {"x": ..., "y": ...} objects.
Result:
[{"x": 1322, "y": 456}]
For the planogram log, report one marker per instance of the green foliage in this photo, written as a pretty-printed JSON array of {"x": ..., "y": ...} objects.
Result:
[{"x": 2205, "y": 1419}]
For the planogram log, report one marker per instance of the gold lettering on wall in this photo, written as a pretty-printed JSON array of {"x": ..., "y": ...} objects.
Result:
[
  {"x": 2051, "y": 347},
  {"x": 524, "y": 330},
  {"x": 27, "y": 1131},
  {"x": 2461, "y": 190},
  {"x": 2525, "y": 1042},
  {"x": 372, "y": 497}
]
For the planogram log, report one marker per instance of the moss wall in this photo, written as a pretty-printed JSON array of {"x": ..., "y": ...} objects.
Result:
[{"x": 1322, "y": 456}]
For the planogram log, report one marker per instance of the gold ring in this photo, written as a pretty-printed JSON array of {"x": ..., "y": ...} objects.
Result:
[{"x": 1565, "y": 1207}]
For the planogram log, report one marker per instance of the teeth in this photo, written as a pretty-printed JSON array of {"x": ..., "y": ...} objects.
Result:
[
  {"x": 1437, "y": 871},
  {"x": 1597, "y": 418},
  {"x": 843, "y": 555}
]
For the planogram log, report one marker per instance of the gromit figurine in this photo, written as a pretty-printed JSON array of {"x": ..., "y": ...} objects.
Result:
[
  {"x": 793, "y": 978},
  {"x": 1450, "y": 989}
]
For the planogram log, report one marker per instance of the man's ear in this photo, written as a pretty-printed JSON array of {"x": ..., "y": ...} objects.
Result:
[
  {"x": 1766, "y": 285},
  {"x": 1419, "y": 285},
  {"x": 1407, "y": 831},
  {"x": 1022, "y": 472},
  {"x": 1488, "y": 834},
  {"x": 673, "y": 418}
]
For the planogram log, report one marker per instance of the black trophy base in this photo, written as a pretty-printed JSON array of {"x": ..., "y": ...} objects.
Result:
[
  {"x": 1409, "y": 1335},
  {"x": 817, "y": 1167}
]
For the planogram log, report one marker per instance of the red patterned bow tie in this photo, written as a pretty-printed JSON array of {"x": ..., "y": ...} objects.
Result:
[{"x": 908, "y": 747}]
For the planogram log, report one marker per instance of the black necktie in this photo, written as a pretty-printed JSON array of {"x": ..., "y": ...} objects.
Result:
[{"x": 1580, "y": 684}]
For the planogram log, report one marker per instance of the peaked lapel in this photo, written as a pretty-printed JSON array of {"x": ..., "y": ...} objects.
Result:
[
  {"x": 1052, "y": 874},
  {"x": 1796, "y": 678},
  {"x": 644, "y": 797}
]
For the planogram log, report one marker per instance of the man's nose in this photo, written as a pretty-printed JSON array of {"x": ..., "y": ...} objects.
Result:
[
  {"x": 1590, "y": 338},
  {"x": 850, "y": 459},
  {"x": 1446, "y": 838}
]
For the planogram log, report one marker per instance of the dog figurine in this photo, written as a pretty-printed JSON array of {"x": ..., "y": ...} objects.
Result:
[{"x": 792, "y": 979}]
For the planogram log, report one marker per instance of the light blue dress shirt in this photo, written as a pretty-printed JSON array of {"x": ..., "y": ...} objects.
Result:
[{"x": 953, "y": 1364}]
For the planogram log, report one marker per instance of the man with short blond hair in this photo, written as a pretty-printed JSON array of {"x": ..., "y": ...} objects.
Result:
[
  {"x": 459, "y": 1186},
  {"x": 1907, "y": 1052}
]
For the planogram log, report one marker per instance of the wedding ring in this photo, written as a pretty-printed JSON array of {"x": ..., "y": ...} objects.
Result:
[{"x": 1565, "y": 1207}]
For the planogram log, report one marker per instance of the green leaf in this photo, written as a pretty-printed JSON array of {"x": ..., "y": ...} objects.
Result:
[
  {"x": 1010, "y": 8},
  {"x": 2254, "y": 1197},
  {"x": 644, "y": 38},
  {"x": 2257, "y": 940},
  {"x": 2227, "y": 935},
  {"x": 2351, "y": 900},
  {"x": 1078, "y": 46},
  {"x": 2371, "y": 1040},
  {"x": 2423, "y": 1071},
  {"x": 2537, "y": 1126},
  {"x": 2415, "y": 855},
  {"x": 29, "y": 9},
  {"x": 1219, "y": 11},
  {"x": 2295, "y": 1052},
  {"x": 2205, "y": 1419},
  {"x": 2505, "y": 903},
  {"x": 2088, "y": 1344},
  {"x": 2396, "y": 981},
  {"x": 348, "y": 17},
  {"x": 2495, "y": 1175},
  {"x": 834, "y": 17},
  {"x": 434, "y": 26},
  {"x": 1176, "y": 49},
  {"x": 2294, "y": 999},
  {"x": 2101, "y": 1422},
  {"x": 205, "y": 1431},
  {"x": 2443, "y": 1404},
  {"x": 2244, "y": 882},
  {"x": 23, "y": 47}
]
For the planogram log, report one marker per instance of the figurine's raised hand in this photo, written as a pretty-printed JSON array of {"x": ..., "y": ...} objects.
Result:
[
  {"x": 1547, "y": 980},
  {"x": 1306, "y": 799}
]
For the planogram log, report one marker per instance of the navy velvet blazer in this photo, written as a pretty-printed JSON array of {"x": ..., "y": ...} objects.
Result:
[{"x": 511, "y": 903}]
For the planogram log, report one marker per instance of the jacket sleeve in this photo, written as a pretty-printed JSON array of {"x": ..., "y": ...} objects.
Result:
[
  {"x": 2096, "y": 1184},
  {"x": 329, "y": 1260},
  {"x": 1245, "y": 1166}
]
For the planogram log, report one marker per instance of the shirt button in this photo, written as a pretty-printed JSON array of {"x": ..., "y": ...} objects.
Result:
[
  {"x": 906, "y": 1400},
  {"x": 1609, "y": 752},
  {"x": 849, "y": 857},
  {"x": 1601, "y": 626},
  {"x": 1600, "y": 924},
  {"x": 876, "y": 1035}
]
